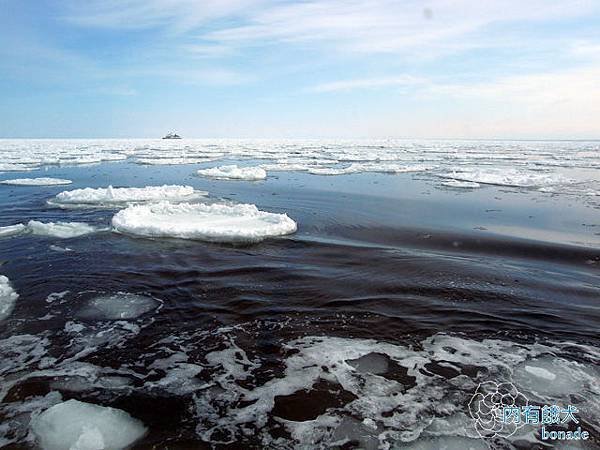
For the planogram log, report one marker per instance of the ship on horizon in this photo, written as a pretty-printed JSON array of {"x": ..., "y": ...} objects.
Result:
[{"x": 172, "y": 136}]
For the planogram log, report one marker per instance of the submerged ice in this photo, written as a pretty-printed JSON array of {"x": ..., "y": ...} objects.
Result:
[
  {"x": 75, "y": 425},
  {"x": 115, "y": 197},
  {"x": 62, "y": 230},
  {"x": 206, "y": 222},
  {"x": 119, "y": 306}
]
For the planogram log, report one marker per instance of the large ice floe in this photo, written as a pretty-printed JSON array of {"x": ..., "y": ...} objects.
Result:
[
  {"x": 119, "y": 306},
  {"x": 75, "y": 425},
  {"x": 62, "y": 230},
  {"x": 233, "y": 172},
  {"x": 8, "y": 297},
  {"x": 44, "y": 181},
  {"x": 217, "y": 222},
  {"x": 112, "y": 197}
]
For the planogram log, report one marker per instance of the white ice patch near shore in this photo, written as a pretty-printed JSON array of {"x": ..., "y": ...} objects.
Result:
[
  {"x": 233, "y": 172},
  {"x": 12, "y": 230},
  {"x": 62, "y": 230},
  {"x": 115, "y": 197},
  {"x": 43, "y": 181},
  {"x": 214, "y": 222},
  {"x": 119, "y": 306},
  {"x": 507, "y": 177},
  {"x": 8, "y": 297},
  {"x": 75, "y": 425}
]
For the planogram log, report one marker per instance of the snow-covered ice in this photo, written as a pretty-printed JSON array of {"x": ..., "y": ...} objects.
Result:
[
  {"x": 114, "y": 197},
  {"x": 119, "y": 306},
  {"x": 62, "y": 230},
  {"x": 8, "y": 297},
  {"x": 207, "y": 222},
  {"x": 233, "y": 172},
  {"x": 75, "y": 425},
  {"x": 12, "y": 230},
  {"x": 43, "y": 181}
]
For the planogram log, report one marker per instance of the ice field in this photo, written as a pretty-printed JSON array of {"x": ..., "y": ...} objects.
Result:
[{"x": 293, "y": 294}]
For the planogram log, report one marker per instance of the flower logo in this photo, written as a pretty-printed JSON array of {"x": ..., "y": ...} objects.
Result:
[{"x": 489, "y": 405}]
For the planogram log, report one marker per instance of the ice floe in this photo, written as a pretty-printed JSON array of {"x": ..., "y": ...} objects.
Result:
[
  {"x": 119, "y": 306},
  {"x": 507, "y": 177},
  {"x": 115, "y": 197},
  {"x": 62, "y": 230},
  {"x": 206, "y": 222},
  {"x": 461, "y": 184},
  {"x": 12, "y": 230},
  {"x": 77, "y": 425},
  {"x": 43, "y": 181},
  {"x": 233, "y": 172},
  {"x": 8, "y": 297}
]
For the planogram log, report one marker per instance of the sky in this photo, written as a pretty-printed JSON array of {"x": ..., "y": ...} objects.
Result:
[{"x": 509, "y": 69}]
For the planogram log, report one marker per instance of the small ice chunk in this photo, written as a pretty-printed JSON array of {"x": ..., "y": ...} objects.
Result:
[
  {"x": 111, "y": 197},
  {"x": 119, "y": 306},
  {"x": 233, "y": 172},
  {"x": 76, "y": 425},
  {"x": 8, "y": 297},
  {"x": 206, "y": 222},
  {"x": 62, "y": 230},
  {"x": 461, "y": 184},
  {"x": 59, "y": 249},
  {"x": 12, "y": 230},
  {"x": 43, "y": 181}
]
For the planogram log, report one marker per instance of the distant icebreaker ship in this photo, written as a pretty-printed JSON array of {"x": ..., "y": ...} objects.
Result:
[{"x": 172, "y": 136}]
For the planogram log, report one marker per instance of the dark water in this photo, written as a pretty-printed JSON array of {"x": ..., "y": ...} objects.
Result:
[{"x": 386, "y": 259}]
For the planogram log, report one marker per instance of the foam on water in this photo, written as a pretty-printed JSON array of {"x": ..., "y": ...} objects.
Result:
[
  {"x": 43, "y": 181},
  {"x": 77, "y": 425},
  {"x": 115, "y": 197},
  {"x": 8, "y": 297},
  {"x": 62, "y": 230},
  {"x": 319, "y": 391},
  {"x": 214, "y": 222},
  {"x": 233, "y": 172}
]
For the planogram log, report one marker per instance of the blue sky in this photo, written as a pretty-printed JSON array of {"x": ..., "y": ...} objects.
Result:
[{"x": 275, "y": 68}]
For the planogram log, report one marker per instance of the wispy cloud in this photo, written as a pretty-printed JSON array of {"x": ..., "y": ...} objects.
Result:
[
  {"x": 180, "y": 15},
  {"x": 368, "y": 83}
]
